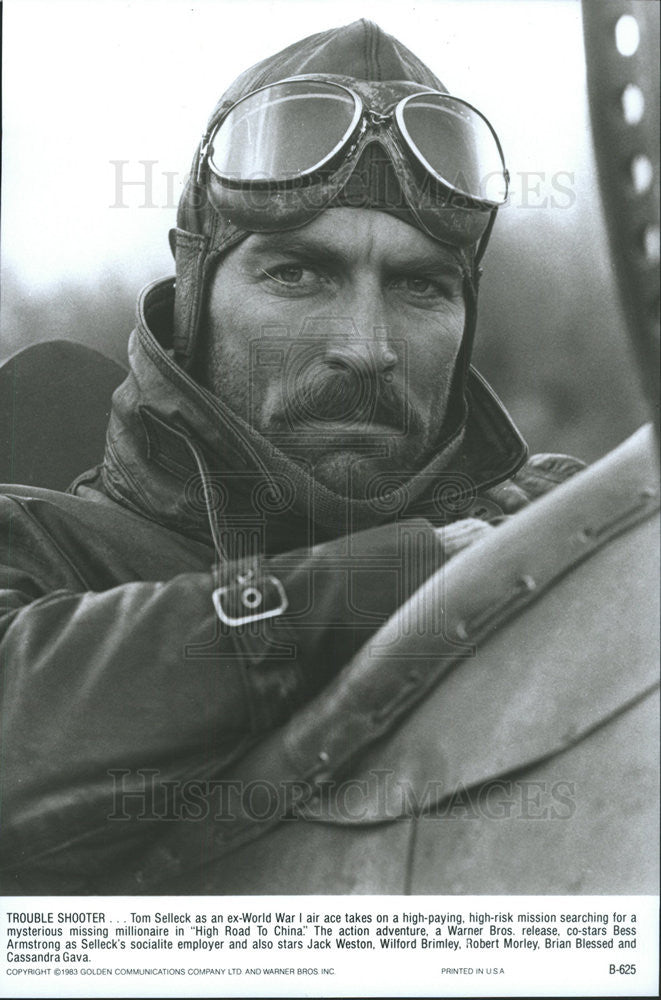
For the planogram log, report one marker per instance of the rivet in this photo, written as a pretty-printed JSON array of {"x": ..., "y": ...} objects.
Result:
[
  {"x": 460, "y": 629},
  {"x": 251, "y": 598}
]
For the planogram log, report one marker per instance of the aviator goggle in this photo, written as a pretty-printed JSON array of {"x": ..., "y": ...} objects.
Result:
[{"x": 279, "y": 155}]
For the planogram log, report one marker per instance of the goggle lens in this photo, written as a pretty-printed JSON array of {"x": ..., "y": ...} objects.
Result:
[
  {"x": 283, "y": 132},
  {"x": 455, "y": 144}
]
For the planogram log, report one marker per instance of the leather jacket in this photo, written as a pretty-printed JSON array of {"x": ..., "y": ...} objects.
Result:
[{"x": 128, "y": 646}]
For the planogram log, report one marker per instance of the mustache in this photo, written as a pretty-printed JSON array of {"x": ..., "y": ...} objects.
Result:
[{"x": 347, "y": 396}]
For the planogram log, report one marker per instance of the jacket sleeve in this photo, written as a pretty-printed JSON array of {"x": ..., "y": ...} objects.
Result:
[
  {"x": 541, "y": 473},
  {"x": 146, "y": 677}
]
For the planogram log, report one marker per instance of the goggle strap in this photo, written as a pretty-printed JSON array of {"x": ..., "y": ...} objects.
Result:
[{"x": 484, "y": 240}]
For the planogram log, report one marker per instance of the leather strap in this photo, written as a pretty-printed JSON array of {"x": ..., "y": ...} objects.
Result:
[{"x": 191, "y": 251}]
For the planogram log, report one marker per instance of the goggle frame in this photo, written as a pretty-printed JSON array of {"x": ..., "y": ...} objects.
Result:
[{"x": 363, "y": 120}]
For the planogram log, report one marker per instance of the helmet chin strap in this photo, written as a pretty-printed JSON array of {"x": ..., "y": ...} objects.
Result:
[{"x": 196, "y": 255}]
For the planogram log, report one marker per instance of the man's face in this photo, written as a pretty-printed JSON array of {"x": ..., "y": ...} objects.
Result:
[{"x": 338, "y": 342}]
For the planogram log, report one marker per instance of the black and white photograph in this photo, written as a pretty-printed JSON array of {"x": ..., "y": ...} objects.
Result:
[{"x": 329, "y": 434}]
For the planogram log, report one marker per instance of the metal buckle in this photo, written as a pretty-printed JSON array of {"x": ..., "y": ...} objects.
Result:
[
  {"x": 376, "y": 118},
  {"x": 251, "y": 596}
]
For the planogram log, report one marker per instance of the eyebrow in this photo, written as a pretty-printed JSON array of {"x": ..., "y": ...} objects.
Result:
[
  {"x": 437, "y": 258},
  {"x": 306, "y": 248}
]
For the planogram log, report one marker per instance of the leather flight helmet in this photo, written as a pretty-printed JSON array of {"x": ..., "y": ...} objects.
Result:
[{"x": 361, "y": 51}]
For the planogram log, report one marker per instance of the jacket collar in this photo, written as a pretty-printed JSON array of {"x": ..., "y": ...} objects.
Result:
[{"x": 178, "y": 455}]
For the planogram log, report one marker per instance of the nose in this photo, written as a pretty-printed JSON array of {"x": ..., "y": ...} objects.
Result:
[
  {"x": 361, "y": 340},
  {"x": 370, "y": 357}
]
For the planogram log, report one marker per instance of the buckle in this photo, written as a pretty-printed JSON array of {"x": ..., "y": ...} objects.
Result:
[{"x": 250, "y": 599}]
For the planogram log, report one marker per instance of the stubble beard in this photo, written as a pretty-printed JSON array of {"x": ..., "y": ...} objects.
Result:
[{"x": 347, "y": 462}]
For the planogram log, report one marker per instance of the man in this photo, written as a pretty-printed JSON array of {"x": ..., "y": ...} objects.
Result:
[{"x": 300, "y": 444}]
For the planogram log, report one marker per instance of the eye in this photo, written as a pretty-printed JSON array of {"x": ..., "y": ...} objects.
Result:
[
  {"x": 428, "y": 291},
  {"x": 294, "y": 276},
  {"x": 421, "y": 286},
  {"x": 286, "y": 274},
  {"x": 291, "y": 278}
]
